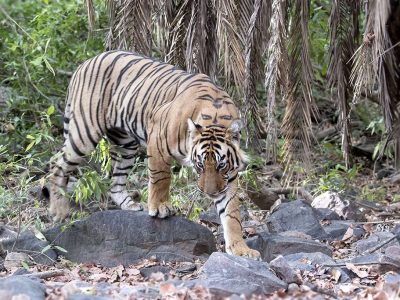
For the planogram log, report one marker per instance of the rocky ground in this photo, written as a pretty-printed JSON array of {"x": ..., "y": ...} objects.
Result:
[{"x": 326, "y": 249}]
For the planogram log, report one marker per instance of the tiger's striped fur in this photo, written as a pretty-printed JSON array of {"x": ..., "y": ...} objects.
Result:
[{"x": 136, "y": 101}]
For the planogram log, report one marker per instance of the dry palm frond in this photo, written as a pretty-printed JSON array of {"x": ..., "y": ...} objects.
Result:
[
  {"x": 296, "y": 125},
  {"x": 343, "y": 33},
  {"x": 201, "y": 41},
  {"x": 177, "y": 21},
  {"x": 131, "y": 25},
  {"x": 373, "y": 64},
  {"x": 232, "y": 23},
  {"x": 252, "y": 111},
  {"x": 276, "y": 60},
  {"x": 91, "y": 14}
]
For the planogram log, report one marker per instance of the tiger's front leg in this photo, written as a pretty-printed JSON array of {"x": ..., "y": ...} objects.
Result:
[
  {"x": 229, "y": 212},
  {"x": 159, "y": 184}
]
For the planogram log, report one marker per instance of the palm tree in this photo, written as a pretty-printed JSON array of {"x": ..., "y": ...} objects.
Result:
[{"x": 252, "y": 45}]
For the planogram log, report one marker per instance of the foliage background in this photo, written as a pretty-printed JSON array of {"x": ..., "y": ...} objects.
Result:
[{"x": 42, "y": 43}]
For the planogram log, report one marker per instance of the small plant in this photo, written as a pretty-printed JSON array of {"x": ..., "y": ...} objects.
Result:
[{"x": 337, "y": 179}]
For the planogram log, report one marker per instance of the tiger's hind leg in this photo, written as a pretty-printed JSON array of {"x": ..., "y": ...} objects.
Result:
[
  {"x": 123, "y": 151},
  {"x": 72, "y": 154}
]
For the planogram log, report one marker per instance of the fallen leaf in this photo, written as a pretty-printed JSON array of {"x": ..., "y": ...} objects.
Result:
[
  {"x": 348, "y": 234},
  {"x": 347, "y": 288},
  {"x": 132, "y": 272},
  {"x": 368, "y": 227},
  {"x": 336, "y": 274},
  {"x": 167, "y": 289},
  {"x": 356, "y": 270}
]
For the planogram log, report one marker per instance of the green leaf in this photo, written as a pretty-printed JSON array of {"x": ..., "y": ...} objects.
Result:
[
  {"x": 40, "y": 236},
  {"x": 37, "y": 61},
  {"x": 24, "y": 265},
  {"x": 48, "y": 247},
  {"x": 30, "y": 146},
  {"x": 50, "y": 110}
]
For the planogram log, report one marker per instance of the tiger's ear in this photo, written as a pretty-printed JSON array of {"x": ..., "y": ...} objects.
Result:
[
  {"x": 233, "y": 132},
  {"x": 194, "y": 128}
]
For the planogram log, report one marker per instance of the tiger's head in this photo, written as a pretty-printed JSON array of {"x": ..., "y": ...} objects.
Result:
[{"x": 215, "y": 155}]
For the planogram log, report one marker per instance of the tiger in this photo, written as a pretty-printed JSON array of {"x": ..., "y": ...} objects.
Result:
[{"x": 135, "y": 101}]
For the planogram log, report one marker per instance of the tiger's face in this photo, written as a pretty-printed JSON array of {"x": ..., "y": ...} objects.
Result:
[{"x": 216, "y": 156}]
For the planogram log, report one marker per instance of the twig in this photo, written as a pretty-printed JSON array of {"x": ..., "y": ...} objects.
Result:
[
  {"x": 45, "y": 274},
  {"x": 293, "y": 190},
  {"x": 377, "y": 222},
  {"x": 359, "y": 264}
]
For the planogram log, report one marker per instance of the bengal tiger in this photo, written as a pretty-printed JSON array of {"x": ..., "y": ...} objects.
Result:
[{"x": 136, "y": 101}]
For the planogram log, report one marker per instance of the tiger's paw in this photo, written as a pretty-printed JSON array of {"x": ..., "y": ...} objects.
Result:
[
  {"x": 131, "y": 205},
  {"x": 241, "y": 249},
  {"x": 59, "y": 208},
  {"x": 163, "y": 210}
]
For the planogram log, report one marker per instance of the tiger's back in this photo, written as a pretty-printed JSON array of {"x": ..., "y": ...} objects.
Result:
[{"x": 121, "y": 91}]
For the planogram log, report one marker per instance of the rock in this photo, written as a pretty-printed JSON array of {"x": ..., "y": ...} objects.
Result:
[
  {"x": 393, "y": 251},
  {"x": 224, "y": 275},
  {"x": 385, "y": 263},
  {"x": 395, "y": 178},
  {"x": 21, "y": 287},
  {"x": 7, "y": 233},
  {"x": 186, "y": 268},
  {"x": 327, "y": 214},
  {"x": 308, "y": 261},
  {"x": 392, "y": 279},
  {"x": 336, "y": 230},
  {"x": 373, "y": 240},
  {"x": 292, "y": 288},
  {"x": 15, "y": 260},
  {"x": 332, "y": 201},
  {"x": 296, "y": 215},
  {"x": 272, "y": 245},
  {"x": 311, "y": 261},
  {"x": 147, "y": 272},
  {"x": 284, "y": 271},
  {"x": 385, "y": 172},
  {"x": 262, "y": 197},
  {"x": 112, "y": 238},
  {"x": 28, "y": 243}
]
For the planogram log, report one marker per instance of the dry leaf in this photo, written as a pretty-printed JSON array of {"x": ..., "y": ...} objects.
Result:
[
  {"x": 368, "y": 227},
  {"x": 336, "y": 274},
  {"x": 132, "y": 272},
  {"x": 360, "y": 273},
  {"x": 167, "y": 289},
  {"x": 250, "y": 231},
  {"x": 348, "y": 288},
  {"x": 348, "y": 234}
]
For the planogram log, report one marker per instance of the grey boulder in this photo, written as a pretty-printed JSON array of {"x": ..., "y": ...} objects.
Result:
[
  {"x": 298, "y": 216},
  {"x": 27, "y": 243},
  {"x": 272, "y": 245},
  {"x": 21, "y": 287},
  {"x": 111, "y": 238},
  {"x": 224, "y": 275}
]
